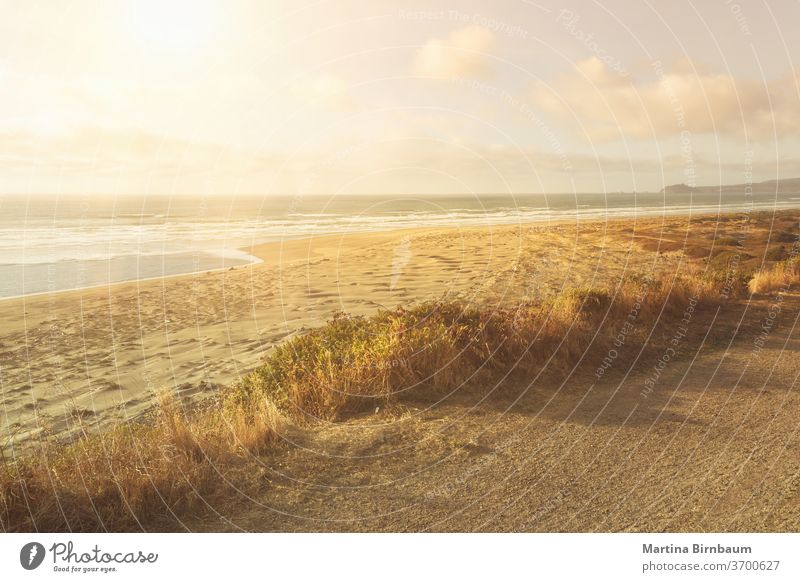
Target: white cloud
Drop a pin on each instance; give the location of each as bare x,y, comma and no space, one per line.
406,160
325,91
461,54
610,106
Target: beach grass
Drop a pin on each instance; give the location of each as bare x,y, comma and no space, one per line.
776,277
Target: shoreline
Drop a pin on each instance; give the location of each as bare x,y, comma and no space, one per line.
256,251
255,261
253,250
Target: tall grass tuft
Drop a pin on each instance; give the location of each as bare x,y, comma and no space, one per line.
780,276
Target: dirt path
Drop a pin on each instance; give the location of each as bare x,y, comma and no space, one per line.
714,447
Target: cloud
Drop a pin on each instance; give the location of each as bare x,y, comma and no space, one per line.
461,54
606,106
324,91
426,164
407,159
94,159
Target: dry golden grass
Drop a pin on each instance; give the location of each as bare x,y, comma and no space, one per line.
125,478
355,363
778,277
130,477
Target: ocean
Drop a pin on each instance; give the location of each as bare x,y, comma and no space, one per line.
56,243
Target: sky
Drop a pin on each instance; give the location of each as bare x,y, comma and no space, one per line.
413,97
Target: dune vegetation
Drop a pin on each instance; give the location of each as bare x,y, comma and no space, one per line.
178,458
776,277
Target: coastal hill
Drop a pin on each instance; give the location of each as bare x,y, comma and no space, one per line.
784,186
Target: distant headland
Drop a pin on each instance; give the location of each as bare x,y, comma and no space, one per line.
783,186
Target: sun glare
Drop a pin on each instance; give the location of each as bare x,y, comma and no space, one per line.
174,26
